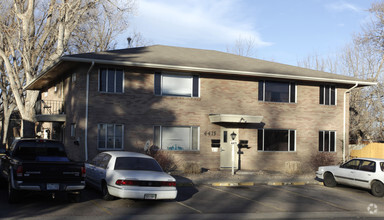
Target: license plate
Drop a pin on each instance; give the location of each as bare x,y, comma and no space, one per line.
52,186
150,196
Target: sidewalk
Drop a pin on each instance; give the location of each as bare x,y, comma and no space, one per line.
244,178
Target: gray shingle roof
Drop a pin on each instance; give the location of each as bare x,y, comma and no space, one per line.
188,59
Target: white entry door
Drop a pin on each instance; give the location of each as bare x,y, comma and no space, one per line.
226,148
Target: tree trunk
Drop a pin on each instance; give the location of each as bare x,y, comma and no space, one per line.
28,115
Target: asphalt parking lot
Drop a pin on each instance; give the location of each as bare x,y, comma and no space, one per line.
208,202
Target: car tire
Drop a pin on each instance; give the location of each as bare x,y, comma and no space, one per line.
329,180
13,194
377,189
105,192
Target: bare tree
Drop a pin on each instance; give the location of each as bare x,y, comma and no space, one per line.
136,39
8,104
35,34
364,59
244,46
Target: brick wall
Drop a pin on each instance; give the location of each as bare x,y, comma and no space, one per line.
138,109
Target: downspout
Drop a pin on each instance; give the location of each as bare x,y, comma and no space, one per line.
344,121
86,113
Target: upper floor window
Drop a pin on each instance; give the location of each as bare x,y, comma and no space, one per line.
270,91
327,95
177,85
111,80
276,140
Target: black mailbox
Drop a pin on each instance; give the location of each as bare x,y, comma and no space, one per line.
243,144
215,143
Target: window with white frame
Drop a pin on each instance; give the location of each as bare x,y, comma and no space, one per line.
110,136
271,91
177,85
179,138
276,140
111,80
327,141
328,95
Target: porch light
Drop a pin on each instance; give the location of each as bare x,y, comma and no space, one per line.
233,135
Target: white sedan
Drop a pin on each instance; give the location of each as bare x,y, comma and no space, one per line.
129,175
365,173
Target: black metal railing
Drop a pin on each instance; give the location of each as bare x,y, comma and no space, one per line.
49,107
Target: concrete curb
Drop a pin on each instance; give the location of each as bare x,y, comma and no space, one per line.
231,184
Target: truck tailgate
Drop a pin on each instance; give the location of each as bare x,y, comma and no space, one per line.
52,172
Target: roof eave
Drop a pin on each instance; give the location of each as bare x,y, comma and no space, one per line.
196,69
212,70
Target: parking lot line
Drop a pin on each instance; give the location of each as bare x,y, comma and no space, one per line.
237,195
102,208
310,197
187,206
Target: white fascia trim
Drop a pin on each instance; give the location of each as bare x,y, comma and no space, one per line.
211,70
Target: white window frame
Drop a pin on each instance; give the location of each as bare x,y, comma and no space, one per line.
106,81
329,144
330,94
160,138
178,75
106,137
289,140
289,91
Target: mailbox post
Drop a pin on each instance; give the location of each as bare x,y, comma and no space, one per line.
234,143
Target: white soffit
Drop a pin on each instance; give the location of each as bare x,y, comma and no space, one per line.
232,118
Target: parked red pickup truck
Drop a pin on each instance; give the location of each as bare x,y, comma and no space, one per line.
41,165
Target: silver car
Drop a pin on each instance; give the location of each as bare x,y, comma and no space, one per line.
129,175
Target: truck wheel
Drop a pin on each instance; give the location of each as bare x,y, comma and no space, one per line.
377,189
13,194
329,180
105,193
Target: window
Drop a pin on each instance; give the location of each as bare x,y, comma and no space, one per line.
352,164
276,140
277,91
111,80
327,141
177,85
73,130
367,165
180,138
327,95
110,136
137,163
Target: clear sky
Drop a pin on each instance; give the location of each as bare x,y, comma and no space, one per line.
285,30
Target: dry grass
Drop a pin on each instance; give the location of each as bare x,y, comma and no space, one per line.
192,168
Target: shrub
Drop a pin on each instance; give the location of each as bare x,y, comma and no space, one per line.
164,158
192,168
322,159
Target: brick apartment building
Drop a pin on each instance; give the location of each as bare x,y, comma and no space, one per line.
189,102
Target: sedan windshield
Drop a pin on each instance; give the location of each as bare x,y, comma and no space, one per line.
137,163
